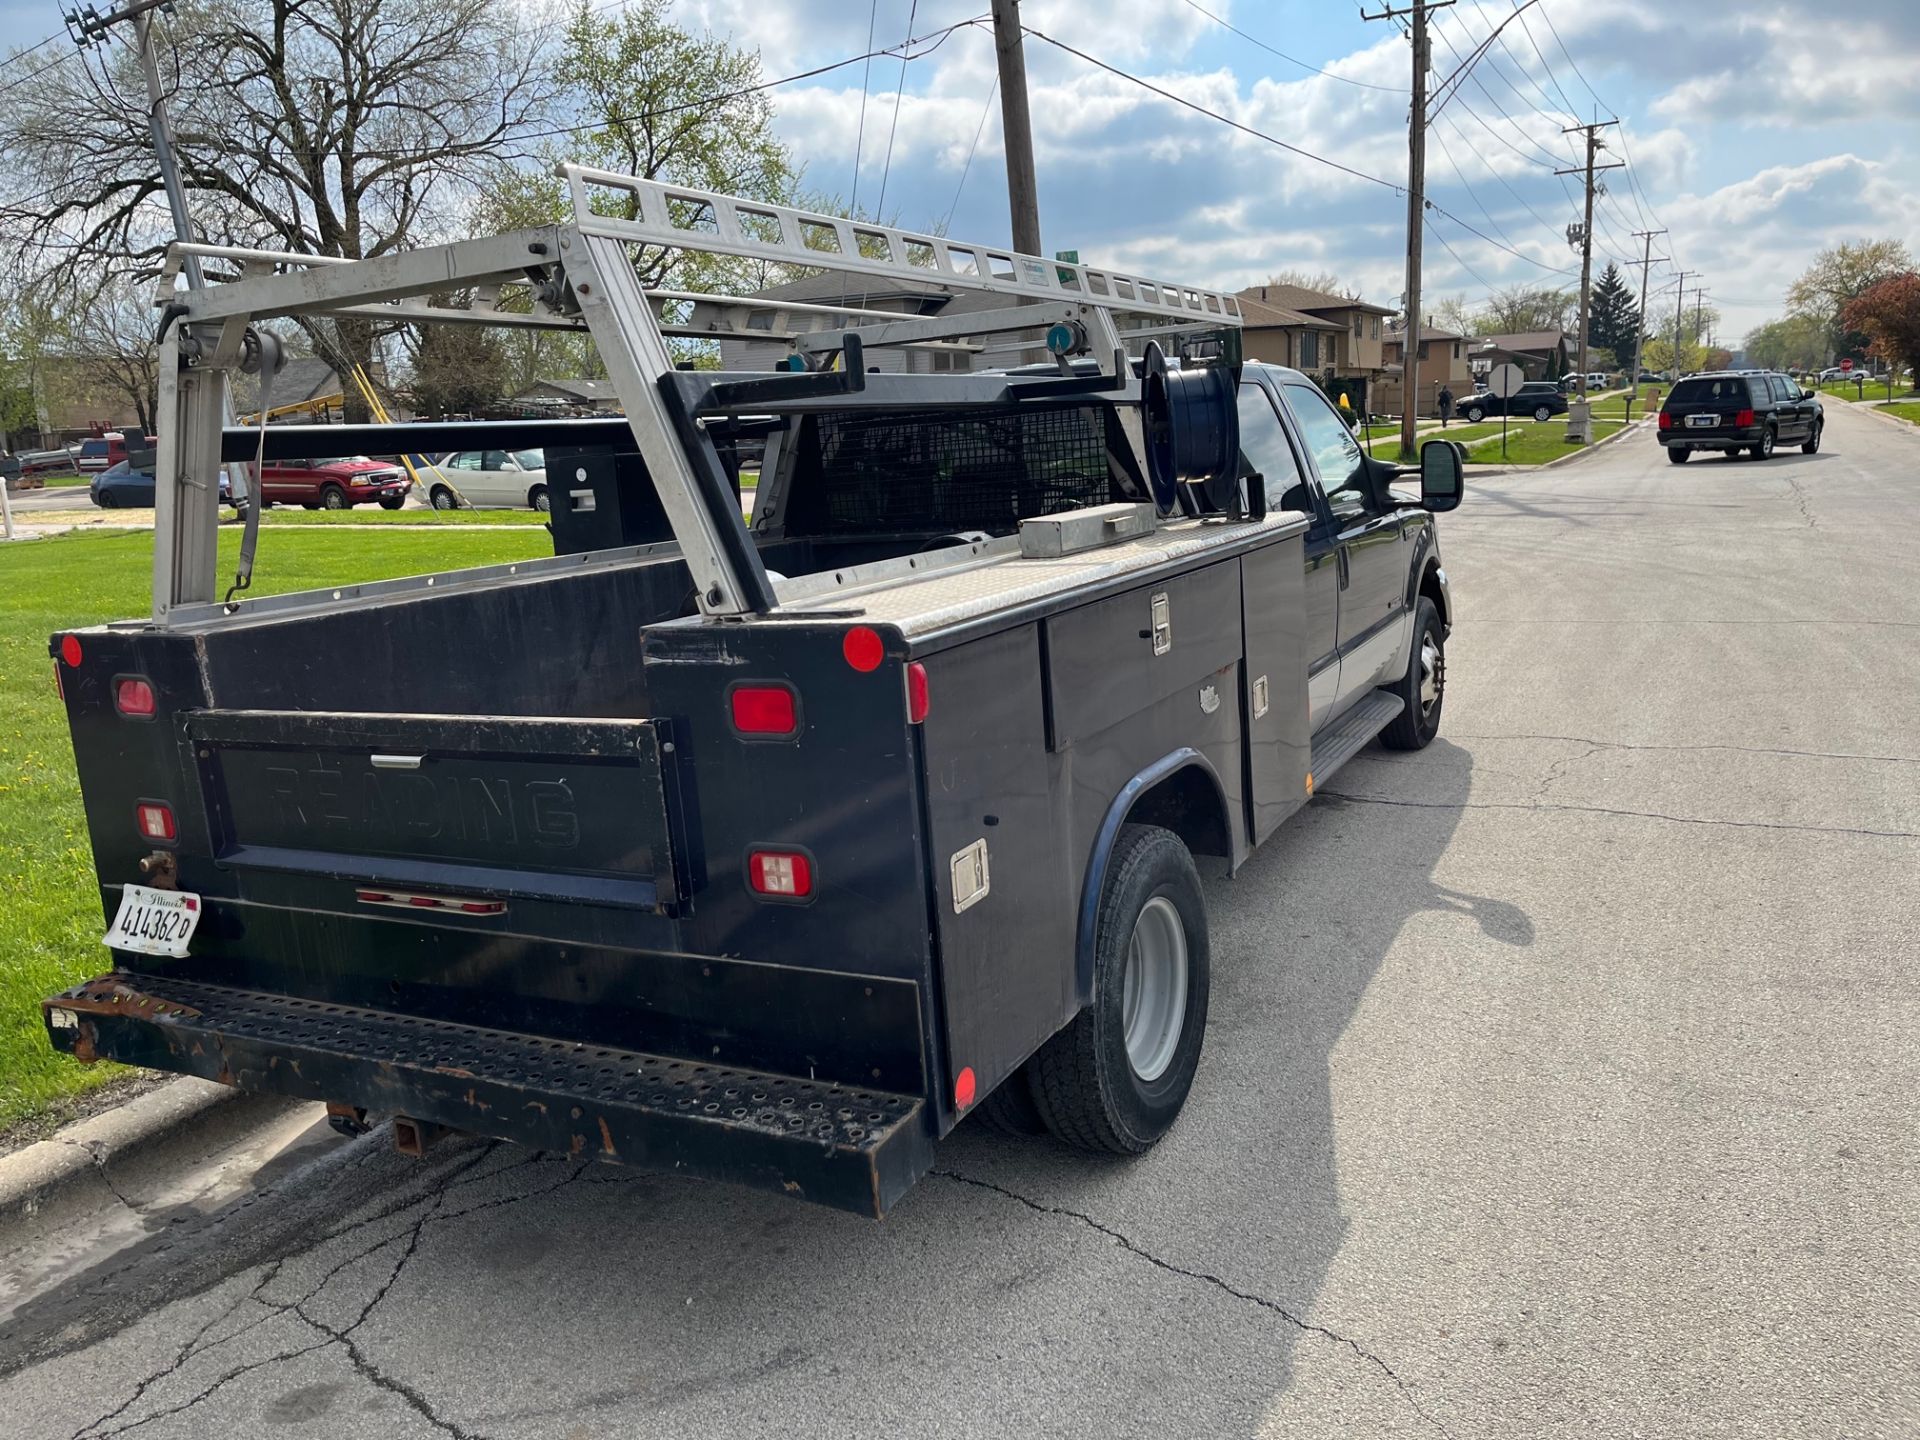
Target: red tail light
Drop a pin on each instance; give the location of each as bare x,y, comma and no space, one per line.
70,650
154,820
764,709
1666,421
1743,419
782,874
133,696
917,697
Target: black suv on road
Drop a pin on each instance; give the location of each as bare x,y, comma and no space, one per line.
1740,412
1542,399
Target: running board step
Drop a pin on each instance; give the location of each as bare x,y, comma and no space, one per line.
1351,734
852,1149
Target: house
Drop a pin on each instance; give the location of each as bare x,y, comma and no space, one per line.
1347,354
1541,354
568,395
1281,336
828,290
1443,360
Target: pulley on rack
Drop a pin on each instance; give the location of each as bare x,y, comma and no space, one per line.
1191,419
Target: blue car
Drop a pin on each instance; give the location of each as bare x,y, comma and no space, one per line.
122,487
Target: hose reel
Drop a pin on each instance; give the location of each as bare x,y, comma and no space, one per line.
1191,420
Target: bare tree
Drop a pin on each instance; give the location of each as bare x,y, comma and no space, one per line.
331,127
1324,281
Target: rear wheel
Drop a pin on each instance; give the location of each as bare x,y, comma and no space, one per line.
444,499
332,497
1768,439
105,500
1010,1108
537,498
1677,455
1543,413
1424,687
1116,1077
1811,445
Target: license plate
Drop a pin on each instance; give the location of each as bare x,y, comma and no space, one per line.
154,922
1703,422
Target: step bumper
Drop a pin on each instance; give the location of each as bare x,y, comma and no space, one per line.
856,1150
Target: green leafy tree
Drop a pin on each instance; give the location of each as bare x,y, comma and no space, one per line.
1839,275
1793,342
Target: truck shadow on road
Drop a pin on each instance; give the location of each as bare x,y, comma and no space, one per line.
1021,1285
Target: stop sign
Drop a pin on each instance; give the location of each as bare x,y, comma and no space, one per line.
1846,364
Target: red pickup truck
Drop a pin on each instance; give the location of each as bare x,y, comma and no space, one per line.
334,484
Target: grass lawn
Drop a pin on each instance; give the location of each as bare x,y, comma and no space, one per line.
50,925
374,515
1532,444
1908,411
1386,443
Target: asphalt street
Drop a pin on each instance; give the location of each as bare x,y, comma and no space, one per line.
1560,1082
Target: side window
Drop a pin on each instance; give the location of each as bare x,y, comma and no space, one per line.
466,460
1336,454
1264,447
494,460
1782,388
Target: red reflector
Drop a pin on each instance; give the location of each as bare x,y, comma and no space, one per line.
133,696
70,650
917,698
763,710
423,902
963,1089
1744,418
1666,421
780,872
863,649
155,821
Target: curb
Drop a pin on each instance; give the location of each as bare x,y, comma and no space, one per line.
51,1172
1872,407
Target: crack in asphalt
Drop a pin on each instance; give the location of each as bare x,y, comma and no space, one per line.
1207,1278
1800,498
96,1152
193,1349
1737,749
1627,814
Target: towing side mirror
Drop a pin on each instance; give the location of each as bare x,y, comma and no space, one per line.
1441,475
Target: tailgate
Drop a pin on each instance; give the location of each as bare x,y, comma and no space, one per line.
495,806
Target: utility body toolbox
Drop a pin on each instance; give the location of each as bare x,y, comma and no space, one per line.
761,853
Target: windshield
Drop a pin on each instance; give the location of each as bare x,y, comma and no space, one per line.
93,447
530,459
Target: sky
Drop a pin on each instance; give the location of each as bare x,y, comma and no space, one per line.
1755,133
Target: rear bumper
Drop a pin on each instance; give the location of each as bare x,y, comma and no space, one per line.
1728,439
856,1150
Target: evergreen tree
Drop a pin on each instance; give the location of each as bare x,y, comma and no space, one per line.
1614,318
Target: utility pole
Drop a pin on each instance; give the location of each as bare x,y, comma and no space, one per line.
1416,208
89,27
1679,319
1579,418
1023,192
1640,324
1699,330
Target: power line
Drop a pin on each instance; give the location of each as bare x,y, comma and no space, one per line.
37,71
860,134
1290,59
899,93
985,110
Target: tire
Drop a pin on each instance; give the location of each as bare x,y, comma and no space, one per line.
392,502
444,499
1423,689
1475,413
332,497
1677,455
106,500
1086,1081
1542,413
1010,1109
1768,439
1811,445
537,499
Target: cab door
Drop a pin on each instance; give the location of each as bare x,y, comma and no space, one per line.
1373,604
1265,448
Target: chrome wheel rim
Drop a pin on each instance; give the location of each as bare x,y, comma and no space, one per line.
1433,673
1153,996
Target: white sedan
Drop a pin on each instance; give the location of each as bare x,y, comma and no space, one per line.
487,480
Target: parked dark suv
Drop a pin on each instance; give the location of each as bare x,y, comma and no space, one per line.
1542,399
1741,412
